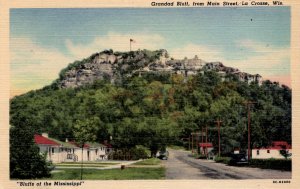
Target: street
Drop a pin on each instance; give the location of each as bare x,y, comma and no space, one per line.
181,166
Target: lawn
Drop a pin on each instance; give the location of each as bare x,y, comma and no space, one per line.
79,165
85,164
151,161
98,163
111,174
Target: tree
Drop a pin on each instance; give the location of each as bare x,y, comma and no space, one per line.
25,160
85,131
157,133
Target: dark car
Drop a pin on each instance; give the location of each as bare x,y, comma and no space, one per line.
238,159
163,155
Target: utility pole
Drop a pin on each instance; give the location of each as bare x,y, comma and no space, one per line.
248,103
218,124
192,143
206,140
189,142
197,141
202,134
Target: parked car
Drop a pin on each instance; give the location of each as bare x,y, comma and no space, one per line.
237,159
163,155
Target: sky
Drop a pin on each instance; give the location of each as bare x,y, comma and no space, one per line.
252,39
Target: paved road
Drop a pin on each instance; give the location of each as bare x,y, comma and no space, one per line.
181,166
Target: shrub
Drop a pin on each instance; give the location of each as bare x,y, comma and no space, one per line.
279,164
224,160
138,152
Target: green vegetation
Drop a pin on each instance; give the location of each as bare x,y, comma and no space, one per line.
79,165
224,160
156,110
25,159
151,161
85,164
174,147
88,163
279,164
134,153
199,156
111,174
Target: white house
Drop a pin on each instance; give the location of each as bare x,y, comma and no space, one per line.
58,151
272,151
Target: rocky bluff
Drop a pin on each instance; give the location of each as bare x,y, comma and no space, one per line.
115,65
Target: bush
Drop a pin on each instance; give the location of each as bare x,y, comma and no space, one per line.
279,164
138,152
224,160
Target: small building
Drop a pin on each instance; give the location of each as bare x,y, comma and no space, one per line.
205,148
48,147
58,151
273,151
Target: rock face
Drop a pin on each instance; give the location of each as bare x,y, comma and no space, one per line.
101,66
109,65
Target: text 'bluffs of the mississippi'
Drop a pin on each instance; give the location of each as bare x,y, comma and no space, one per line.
212,3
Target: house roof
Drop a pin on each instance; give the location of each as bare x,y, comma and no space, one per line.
94,144
87,145
207,145
64,144
77,145
39,139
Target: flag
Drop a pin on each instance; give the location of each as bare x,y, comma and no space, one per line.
133,41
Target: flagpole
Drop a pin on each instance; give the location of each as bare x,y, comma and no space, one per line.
130,44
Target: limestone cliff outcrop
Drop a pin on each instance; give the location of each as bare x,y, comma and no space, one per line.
113,66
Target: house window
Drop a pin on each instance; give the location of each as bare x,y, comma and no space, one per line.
257,152
268,151
52,150
70,156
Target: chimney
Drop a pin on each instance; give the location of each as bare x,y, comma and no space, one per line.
45,135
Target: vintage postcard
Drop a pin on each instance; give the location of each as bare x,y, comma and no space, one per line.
158,94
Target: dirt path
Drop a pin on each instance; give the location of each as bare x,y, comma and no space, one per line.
181,166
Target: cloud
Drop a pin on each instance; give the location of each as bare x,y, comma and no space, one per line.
117,42
267,60
33,66
190,50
